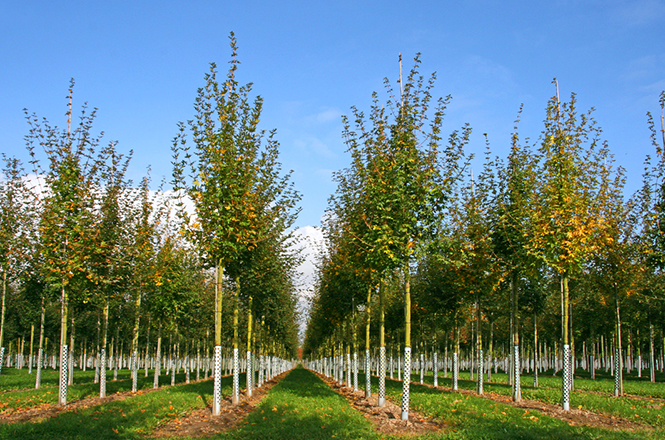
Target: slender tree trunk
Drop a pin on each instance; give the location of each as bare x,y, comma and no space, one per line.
135,342
217,356
618,373
2,319
368,373
536,356
565,306
32,341
40,351
103,361
456,359
652,353
235,398
479,346
62,390
382,346
158,356
116,354
517,369
70,377
147,347
490,352
406,381
355,346
250,368
97,354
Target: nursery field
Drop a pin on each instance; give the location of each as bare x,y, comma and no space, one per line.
302,404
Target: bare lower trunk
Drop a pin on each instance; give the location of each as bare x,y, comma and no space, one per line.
40,351
62,390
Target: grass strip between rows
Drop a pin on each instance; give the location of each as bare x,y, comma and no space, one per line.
475,417
131,418
302,406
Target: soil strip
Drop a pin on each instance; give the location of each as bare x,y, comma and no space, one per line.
574,417
201,423
46,410
388,419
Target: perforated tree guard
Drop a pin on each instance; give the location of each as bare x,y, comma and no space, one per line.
62,392
406,383
217,386
517,373
355,371
368,375
455,371
102,373
566,378
236,376
382,376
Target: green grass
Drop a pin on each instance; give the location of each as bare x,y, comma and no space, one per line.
131,418
302,406
585,396
18,387
474,417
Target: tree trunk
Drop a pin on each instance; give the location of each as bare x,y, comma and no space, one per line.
2,318
382,346
235,398
406,381
535,350
32,342
250,368
40,351
62,390
135,342
217,356
565,307
147,347
618,373
490,352
479,347
70,372
652,353
103,360
456,359
158,356
517,370
368,373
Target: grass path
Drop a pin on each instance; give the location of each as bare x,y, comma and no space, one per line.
302,406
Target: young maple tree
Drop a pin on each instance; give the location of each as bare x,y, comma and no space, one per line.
235,182
569,208
399,181
67,206
15,231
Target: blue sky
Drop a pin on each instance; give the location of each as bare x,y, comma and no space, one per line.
140,64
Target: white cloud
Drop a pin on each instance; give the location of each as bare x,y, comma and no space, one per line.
328,115
314,145
312,245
